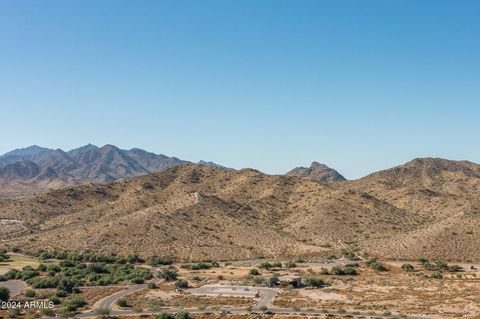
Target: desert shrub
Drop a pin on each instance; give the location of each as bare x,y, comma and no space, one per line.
168,274
157,261
182,315
165,315
46,312
4,293
3,255
441,265
151,285
71,304
408,267
343,271
455,268
254,272
181,283
314,282
267,265
350,271
200,265
104,312
290,264
122,302
30,293
13,313
376,265
11,274
324,271
348,253
55,299
436,275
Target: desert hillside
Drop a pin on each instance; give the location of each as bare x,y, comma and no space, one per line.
318,172
425,208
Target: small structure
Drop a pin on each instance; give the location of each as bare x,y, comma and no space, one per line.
288,280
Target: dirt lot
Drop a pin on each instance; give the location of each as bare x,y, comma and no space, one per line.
454,296
17,262
152,298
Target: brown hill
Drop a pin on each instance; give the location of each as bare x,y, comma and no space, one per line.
318,172
425,208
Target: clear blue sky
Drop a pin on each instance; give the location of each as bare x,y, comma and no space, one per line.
358,85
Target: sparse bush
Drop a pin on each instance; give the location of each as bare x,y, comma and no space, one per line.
265,265
290,264
324,271
122,303
13,313
343,271
30,293
436,275
151,285
103,312
254,272
181,283
46,312
168,274
349,254
165,315
408,267
157,261
182,315
200,265
3,255
376,265
314,282
4,293
455,268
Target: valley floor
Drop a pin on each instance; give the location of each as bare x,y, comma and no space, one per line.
232,289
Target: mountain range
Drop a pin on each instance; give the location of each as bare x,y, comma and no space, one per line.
35,169
426,208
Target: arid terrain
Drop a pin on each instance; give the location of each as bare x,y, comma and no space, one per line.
200,240
427,208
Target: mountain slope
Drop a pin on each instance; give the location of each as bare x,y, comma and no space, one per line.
445,194
317,171
427,208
